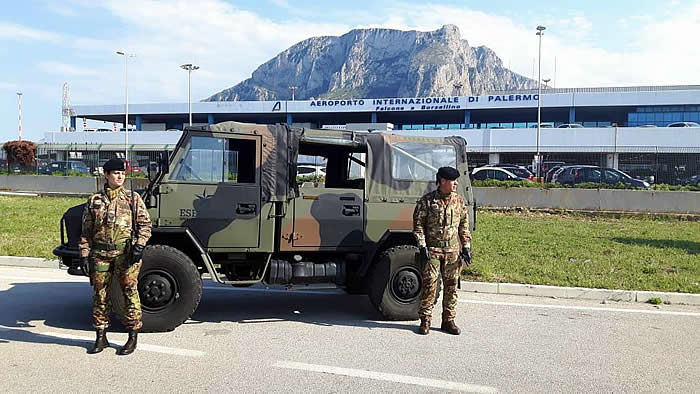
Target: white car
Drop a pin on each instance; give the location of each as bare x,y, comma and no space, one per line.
310,170
495,173
683,124
570,126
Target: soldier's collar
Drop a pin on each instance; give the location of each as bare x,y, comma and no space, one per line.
443,195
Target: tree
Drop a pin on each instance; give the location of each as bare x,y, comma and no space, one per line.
20,152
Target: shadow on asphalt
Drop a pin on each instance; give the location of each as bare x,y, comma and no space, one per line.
65,305
691,247
68,306
267,307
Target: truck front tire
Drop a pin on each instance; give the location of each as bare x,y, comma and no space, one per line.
170,288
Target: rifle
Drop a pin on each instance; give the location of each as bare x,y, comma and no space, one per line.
130,241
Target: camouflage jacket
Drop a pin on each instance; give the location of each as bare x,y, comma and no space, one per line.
108,222
441,222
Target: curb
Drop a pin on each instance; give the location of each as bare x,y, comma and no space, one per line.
578,293
31,262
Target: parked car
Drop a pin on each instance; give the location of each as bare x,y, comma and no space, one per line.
574,174
691,181
516,169
683,124
495,173
570,126
543,126
64,166
310,170
550,173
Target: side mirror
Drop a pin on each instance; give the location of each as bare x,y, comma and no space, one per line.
164,164
152,170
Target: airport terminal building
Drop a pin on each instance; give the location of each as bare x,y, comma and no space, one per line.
623,127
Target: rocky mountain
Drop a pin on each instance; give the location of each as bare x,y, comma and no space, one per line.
375,63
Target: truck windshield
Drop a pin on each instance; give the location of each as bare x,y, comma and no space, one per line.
419,161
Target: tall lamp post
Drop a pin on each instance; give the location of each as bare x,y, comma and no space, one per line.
189,67
19,114
540,33
126,101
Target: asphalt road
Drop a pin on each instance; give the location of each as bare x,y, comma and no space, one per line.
281,341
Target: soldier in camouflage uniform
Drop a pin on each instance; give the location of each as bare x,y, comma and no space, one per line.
441,228
106,234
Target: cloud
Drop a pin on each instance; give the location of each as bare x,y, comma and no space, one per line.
68,70
11,31
8,86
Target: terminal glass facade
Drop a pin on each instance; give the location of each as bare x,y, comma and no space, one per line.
662,115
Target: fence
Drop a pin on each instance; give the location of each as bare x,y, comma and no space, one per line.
666,165
81,160
674,166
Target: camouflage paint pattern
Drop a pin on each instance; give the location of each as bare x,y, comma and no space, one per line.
448,265
108,221
128,281
441,223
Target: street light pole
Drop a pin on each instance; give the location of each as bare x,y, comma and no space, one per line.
540,33
546,81
19,114
126,101
189,67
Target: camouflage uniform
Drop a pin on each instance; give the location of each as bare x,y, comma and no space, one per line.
441,222
106,227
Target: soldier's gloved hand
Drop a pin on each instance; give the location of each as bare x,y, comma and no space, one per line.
85,265
424,254
136,253
467,255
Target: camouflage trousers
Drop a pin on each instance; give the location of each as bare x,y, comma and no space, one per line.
448,265
104,269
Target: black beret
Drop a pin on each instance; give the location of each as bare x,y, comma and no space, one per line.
449,173
114,165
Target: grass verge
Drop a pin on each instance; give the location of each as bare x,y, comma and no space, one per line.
634,253
29,225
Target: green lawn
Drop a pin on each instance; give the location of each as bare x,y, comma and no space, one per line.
575,250
536,248
29,225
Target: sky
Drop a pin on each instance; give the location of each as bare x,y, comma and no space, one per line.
44,44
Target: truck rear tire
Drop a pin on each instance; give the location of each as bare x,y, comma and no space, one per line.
396,281
170,288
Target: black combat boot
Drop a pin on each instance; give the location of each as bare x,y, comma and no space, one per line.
101,341
450,327
130,344
424,328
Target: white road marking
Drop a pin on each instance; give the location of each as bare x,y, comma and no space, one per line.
585,308
388,377
141,346
69,278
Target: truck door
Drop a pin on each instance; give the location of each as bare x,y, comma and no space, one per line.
328,217
214,190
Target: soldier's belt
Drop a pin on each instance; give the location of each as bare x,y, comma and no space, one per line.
101,246
442,244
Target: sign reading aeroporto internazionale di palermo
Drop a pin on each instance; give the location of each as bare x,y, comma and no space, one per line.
411,104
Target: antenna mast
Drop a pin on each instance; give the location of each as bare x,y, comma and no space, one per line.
66,110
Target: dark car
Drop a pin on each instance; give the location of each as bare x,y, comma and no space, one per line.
691,181
64,166
571,175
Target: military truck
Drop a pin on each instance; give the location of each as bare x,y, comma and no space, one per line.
227,204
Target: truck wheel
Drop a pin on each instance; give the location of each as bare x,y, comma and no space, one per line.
396,281
170,288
